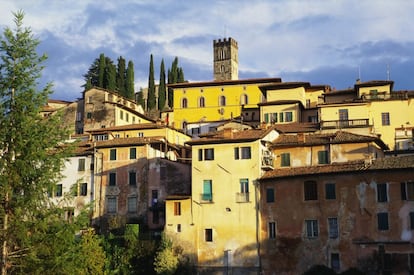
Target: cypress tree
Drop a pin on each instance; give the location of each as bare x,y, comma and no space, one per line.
121,77
129,82
151,100
110,77
101,70
161,88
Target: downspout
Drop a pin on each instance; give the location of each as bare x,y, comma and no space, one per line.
256,199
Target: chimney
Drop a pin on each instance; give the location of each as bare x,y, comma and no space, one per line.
228,133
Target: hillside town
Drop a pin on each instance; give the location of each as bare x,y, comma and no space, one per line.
251,176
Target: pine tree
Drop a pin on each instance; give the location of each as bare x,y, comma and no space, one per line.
129,82
161,88
151,100
101,70
121,77
32,152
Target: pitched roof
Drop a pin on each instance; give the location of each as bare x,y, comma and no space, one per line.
231,135
339,137
395,162
138,126
296,127
225,82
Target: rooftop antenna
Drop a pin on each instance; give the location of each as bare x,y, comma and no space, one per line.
359,74
388,72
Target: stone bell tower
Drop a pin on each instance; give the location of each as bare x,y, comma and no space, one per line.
226,59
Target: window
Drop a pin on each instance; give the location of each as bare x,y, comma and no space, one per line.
177,208
266,118
184,103
140,134
333,228
243,196
323,157
281,117
288,116
244,99
272,230
59,190
382,221
335,263
84,189
127,117
412,220
201,102
270,195
88,115
343,114
407,190
382,195
311,228
208,235
330,192
195,131
274,118
285,159
244,152
311,190
132,204
81,164
132,153
132,175
222,100
154,197
112,154
385,118
112,179
121,114
207,194
178,228
111,205
208,154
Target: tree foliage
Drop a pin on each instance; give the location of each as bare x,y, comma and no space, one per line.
175,75
161,88
129,82
166,262
34,237
103,73
151,99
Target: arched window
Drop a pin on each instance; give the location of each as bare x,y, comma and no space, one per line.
201,102
184,103
185,126
222,100
244,99
222,69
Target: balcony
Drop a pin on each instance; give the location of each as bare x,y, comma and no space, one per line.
242,197
267,160
342,124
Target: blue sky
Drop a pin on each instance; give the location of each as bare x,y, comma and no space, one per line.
330,42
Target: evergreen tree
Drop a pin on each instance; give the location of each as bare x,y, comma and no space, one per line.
110,77
175,75
151,100
140,98
121,77
129,82
32,155
101,71
161,88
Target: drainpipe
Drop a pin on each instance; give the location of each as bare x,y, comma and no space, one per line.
256,201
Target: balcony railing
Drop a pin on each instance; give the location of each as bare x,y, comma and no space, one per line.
242,197
341,124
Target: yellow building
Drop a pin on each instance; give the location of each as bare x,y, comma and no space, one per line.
215,100
221,219
370,108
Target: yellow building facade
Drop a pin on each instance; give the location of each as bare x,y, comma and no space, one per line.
222,212
215,100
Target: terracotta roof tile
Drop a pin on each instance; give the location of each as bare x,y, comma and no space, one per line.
231,135
396,162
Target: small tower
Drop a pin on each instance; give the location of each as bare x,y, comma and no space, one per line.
226,60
